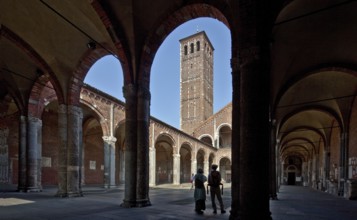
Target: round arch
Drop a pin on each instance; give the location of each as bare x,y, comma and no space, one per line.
206,138
225,135
185,162
164,147
225,165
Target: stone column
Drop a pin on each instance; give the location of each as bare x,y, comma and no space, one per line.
143,120
39,156
327,167
121,166
130,145
343,166
109,161
194,165
74,128
305,172
62,151
22,154
278,171
152,166
206,167
272,162
106,162
254,60
176,169
32,154
235,186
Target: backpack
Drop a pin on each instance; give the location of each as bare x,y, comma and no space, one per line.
215,179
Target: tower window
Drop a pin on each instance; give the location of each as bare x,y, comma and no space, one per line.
198,45
191,47
185,49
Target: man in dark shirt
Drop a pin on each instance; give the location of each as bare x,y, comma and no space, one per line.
214,181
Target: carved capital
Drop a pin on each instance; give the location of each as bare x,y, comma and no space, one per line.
144,93
75,110
130,91
109,139
62,109
34,120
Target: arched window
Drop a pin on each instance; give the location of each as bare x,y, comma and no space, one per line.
192,46
198,45
185,49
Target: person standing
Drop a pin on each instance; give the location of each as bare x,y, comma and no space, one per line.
214,181
200,192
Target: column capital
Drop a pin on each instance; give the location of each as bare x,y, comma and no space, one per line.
62,109
109,139
75,110
129,91
144,92
176,155
31,119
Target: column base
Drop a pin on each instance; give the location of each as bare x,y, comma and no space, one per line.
32,189
143,203
21,189
110,186
128,204
69,195
352,189
273,197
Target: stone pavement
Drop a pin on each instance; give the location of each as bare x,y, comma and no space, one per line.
168,202
304,203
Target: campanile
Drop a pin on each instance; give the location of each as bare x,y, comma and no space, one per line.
196,81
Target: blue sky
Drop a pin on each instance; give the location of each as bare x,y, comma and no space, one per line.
106,74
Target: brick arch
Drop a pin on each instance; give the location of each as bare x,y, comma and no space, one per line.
188,144
99,117
118,38
208,136
15,95
120,123
168,135
42,93
44,69
168,23
84,64
224,125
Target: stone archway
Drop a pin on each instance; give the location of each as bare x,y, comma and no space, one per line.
225,136
185,163
225,169
164,159
200,159
93,152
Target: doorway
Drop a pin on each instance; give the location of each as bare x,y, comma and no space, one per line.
291,178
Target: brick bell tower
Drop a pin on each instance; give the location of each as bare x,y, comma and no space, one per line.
196,81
